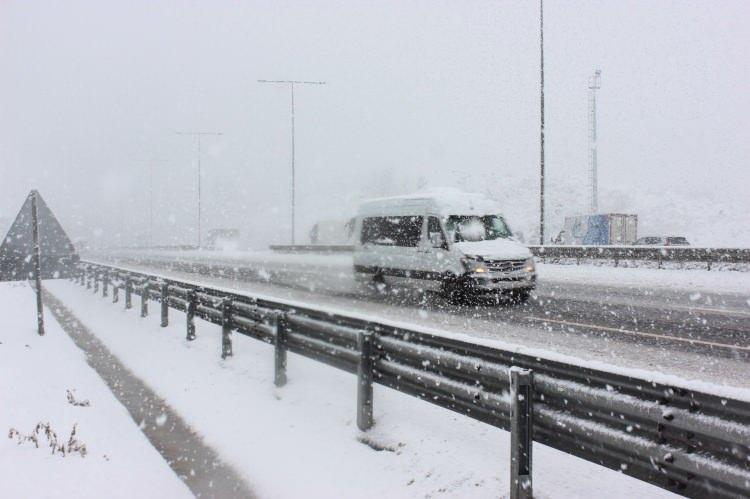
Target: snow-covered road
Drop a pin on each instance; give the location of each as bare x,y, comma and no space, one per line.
681,327
335,270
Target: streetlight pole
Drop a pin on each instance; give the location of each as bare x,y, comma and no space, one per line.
150,163
199,135
541,136
291,84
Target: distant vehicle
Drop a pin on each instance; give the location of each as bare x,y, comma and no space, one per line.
676,241
444,240
662,241
223,239
332,232
599,230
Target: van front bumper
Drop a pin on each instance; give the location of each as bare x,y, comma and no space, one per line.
501,282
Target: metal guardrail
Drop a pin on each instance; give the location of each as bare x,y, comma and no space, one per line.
659,254
312,248
692,443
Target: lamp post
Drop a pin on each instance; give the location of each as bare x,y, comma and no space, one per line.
150,163
199,135
291,84
541,135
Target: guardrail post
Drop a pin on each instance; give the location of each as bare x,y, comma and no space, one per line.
144,299
192,303
364,381
226,328
105,284
164,304
128,293
115,293
280,342
88,281
96,282
82,277
521,432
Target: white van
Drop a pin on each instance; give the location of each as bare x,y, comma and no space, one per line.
445,240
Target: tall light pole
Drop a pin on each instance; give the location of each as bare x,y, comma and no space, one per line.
595,83
291,84
541,136
150,163
199,135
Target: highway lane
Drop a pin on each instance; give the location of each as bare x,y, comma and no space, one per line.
711,331
723,332
718,323
664,329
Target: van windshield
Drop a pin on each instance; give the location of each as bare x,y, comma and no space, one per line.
477,228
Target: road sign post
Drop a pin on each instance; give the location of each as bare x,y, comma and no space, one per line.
37,265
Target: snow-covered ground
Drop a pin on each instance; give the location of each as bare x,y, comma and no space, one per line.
36,373
302,440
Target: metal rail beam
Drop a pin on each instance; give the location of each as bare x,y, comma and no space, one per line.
693,443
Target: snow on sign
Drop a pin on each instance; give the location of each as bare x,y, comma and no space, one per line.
58,255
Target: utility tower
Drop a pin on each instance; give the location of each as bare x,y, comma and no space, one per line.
595,83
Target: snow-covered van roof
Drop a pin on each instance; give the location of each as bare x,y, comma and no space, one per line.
443,201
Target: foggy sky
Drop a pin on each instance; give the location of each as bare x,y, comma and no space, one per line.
442,93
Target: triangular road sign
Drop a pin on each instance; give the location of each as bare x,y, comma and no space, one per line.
17,248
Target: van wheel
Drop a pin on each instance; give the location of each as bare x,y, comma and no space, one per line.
458,297
520,296
456,293
378,282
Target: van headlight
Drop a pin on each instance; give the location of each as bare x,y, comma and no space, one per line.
474,266
530,266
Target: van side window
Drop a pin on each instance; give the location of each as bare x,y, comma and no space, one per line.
435,234
392,231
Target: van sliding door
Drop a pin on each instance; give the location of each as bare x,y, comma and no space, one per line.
394,241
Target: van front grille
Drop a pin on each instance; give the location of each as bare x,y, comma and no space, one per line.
505,265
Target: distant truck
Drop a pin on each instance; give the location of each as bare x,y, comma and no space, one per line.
332,232
222,240
599,230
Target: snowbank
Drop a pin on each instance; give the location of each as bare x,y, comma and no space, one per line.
35,374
